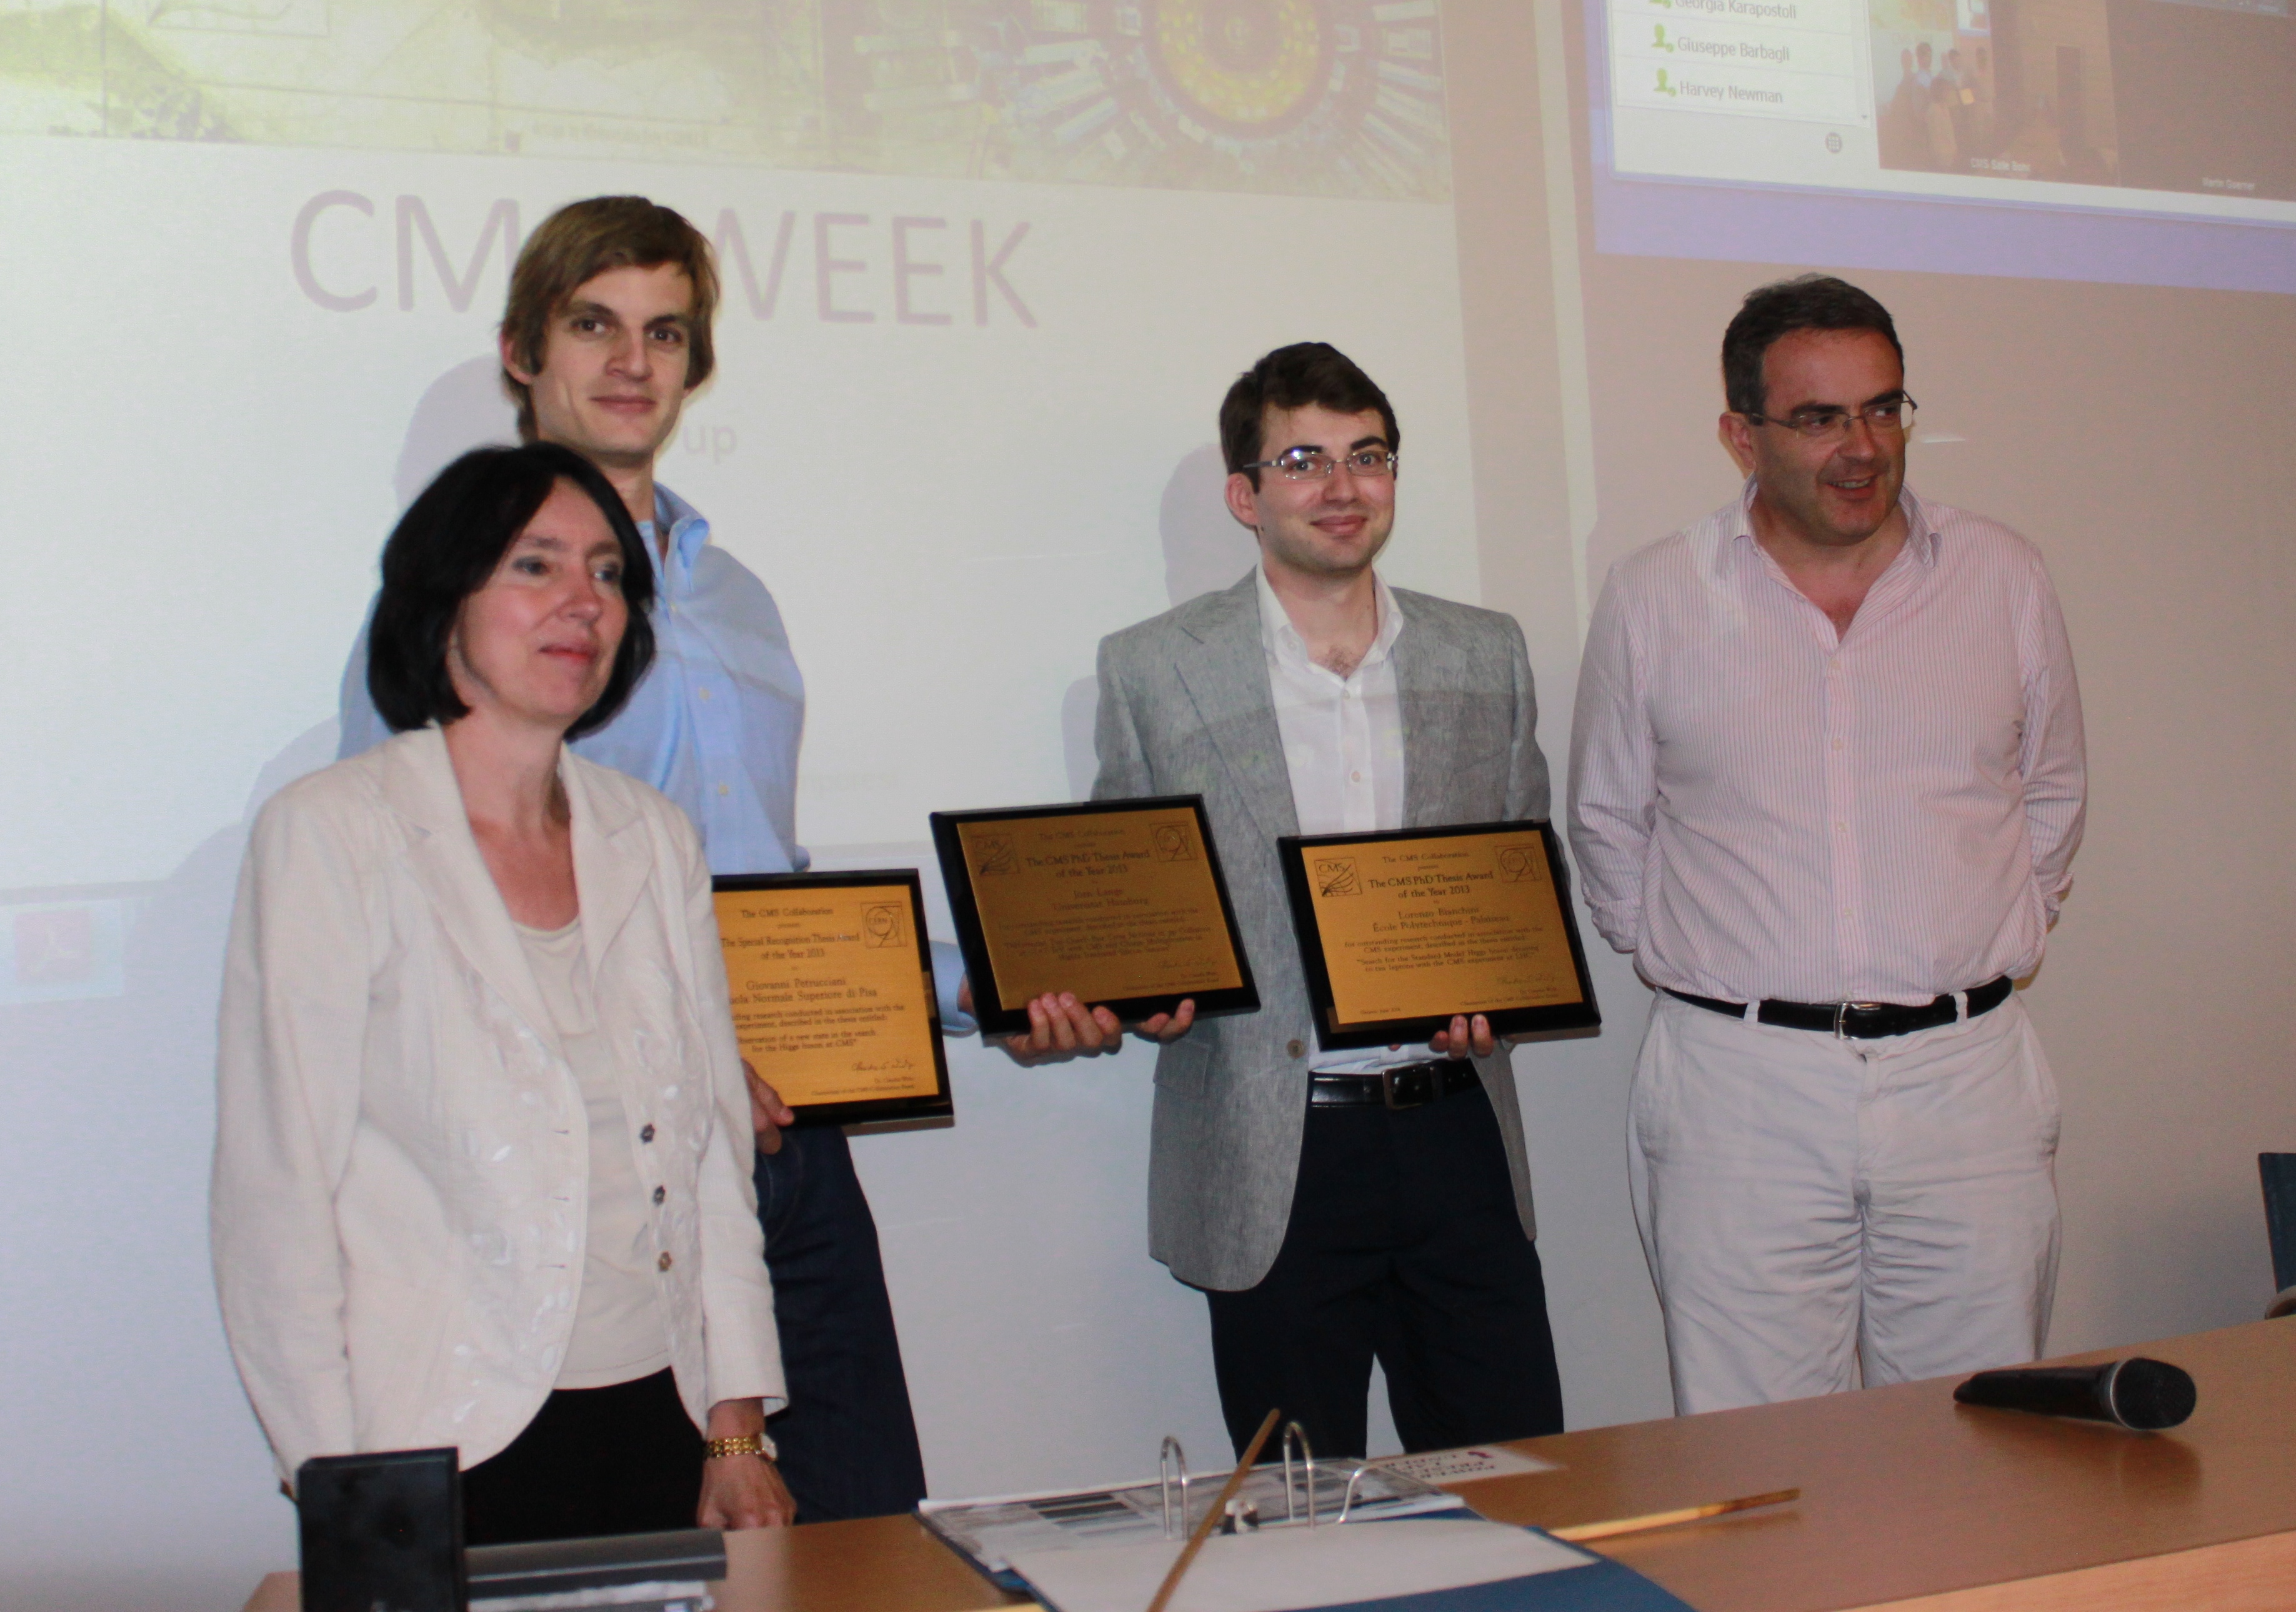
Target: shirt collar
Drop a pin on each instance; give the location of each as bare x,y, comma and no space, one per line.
688,532
1281,640
1921,535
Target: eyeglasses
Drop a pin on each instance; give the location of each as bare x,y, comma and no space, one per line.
1314,464
1832,425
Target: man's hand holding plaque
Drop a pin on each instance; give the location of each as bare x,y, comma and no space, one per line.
1076,921
769,1115
1457,937
1061,1028
1469,1036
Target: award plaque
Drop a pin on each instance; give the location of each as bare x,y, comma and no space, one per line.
1400,933
1120,902
830,976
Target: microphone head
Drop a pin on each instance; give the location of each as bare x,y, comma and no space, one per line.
2151,1395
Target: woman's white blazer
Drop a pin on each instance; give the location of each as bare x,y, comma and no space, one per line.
402,1153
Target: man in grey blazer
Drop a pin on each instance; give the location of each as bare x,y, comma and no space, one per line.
1335,1207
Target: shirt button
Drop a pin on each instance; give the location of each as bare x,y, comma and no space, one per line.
1838,744
646,1135
664,1262
1355,777
704,695
727,789
1295,1048
659,1193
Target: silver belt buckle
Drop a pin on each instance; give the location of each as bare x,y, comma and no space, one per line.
1842,1012
1386,1085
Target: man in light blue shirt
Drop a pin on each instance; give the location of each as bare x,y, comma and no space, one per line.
608,329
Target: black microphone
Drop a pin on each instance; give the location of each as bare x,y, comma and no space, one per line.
2145,1395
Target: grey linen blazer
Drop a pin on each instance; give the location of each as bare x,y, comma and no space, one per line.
1186,708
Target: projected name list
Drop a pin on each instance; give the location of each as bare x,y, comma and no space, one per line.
1794,59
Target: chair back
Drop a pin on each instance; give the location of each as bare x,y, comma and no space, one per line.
2279,1172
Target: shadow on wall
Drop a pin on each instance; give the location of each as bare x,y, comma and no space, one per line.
1204,550
174,952
465,408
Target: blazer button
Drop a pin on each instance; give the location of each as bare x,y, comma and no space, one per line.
1295,1048
663,1264
659,1193
647,1134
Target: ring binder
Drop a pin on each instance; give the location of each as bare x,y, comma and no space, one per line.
1168,1459
1294,1433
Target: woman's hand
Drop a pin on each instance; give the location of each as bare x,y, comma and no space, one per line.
741,1491
744,1492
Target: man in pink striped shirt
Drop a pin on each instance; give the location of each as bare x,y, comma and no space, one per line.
1827,782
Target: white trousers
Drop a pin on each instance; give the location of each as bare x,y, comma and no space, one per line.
1804,1200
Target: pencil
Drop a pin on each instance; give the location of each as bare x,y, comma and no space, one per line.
1580,1532
1211,1518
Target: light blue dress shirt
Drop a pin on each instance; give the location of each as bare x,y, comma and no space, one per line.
714,724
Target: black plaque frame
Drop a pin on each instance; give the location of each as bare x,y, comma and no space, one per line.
1331,1036
942,1102
989,1009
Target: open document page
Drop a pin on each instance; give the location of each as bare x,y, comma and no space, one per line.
990,1532
1426,1564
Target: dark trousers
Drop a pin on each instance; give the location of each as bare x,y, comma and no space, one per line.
623,1459
848,1442
1404,1247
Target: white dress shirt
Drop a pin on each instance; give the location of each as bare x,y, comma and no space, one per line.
1762,807
1343,747
1343,736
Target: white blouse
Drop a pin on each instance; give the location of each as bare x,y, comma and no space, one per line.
618,1335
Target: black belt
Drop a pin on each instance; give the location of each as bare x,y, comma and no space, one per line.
1409,1085
1861,1021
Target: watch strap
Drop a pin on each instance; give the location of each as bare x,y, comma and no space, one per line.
747,1443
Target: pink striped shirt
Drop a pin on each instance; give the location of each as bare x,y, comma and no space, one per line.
1761,808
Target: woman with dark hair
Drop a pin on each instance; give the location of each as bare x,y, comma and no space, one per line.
483,1146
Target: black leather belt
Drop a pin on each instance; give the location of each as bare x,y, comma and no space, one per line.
1859,1020
1409,1085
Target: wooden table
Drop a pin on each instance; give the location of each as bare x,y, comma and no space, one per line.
1909,1502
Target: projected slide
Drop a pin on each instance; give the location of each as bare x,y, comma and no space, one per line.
989,266
2179,108
2164,111
1314,96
